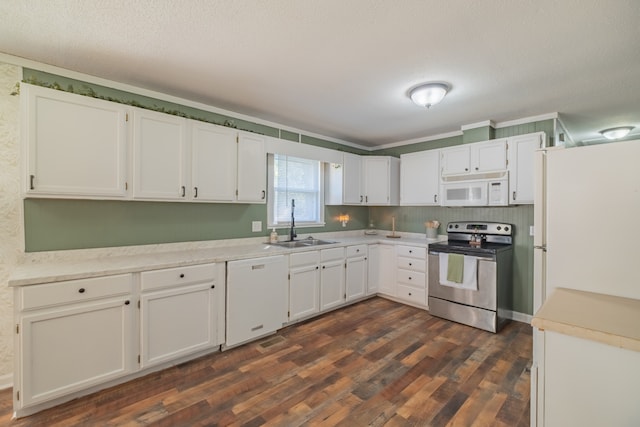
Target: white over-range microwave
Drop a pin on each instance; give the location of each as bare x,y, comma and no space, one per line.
477,190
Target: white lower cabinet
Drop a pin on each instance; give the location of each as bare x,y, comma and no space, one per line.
256,297
386,270
412,274
181,312
304,284
72,335
356,272
332,278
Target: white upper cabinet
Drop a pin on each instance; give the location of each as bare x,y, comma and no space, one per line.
479,157
420,178
252,168
352,180
381,180
214,160
521,173
75,146
159,156
365,180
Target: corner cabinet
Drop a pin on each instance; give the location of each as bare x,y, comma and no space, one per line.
521,166
420,178
72,335
74,146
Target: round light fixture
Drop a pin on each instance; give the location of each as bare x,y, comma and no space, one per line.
428,94
616,133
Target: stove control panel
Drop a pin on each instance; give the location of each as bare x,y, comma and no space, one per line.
480,227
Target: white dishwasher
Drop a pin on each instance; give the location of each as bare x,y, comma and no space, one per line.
256,297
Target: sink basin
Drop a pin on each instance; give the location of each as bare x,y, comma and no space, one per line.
303,243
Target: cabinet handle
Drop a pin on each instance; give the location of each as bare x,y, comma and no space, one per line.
365,258
409,277
466,169
514,195
81,290
410,251
264,194
360,199
317,267
357,250
410,264
184,191
195,192
409,293
477,168
31,178
182,276
435,198
127,302
213,286
366,199
323,267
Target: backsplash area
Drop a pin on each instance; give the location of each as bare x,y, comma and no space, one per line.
412,219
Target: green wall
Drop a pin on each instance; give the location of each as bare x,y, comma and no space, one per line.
54,224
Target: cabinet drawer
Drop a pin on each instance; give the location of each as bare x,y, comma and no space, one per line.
331,254
417,296
411,252
304,258
413,264
178,276
72,291
414,278
356,250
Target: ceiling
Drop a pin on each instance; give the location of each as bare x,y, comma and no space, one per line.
342,69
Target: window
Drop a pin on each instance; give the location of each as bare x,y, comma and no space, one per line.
297,179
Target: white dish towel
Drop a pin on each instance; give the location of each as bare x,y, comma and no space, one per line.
469,276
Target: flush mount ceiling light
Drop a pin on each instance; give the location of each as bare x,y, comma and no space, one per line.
428,94
616,133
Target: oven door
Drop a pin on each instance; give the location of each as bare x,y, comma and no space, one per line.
484,297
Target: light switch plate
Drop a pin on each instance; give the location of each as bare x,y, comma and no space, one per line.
256,226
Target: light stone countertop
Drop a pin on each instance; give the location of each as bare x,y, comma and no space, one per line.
79,264
602,318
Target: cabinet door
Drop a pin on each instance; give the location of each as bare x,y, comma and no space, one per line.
420,178
73,348
160,156
373,270
177,322
332,281
252,169
455,160
521,172
304,290
387,270
352,180
214,162
489,156
75,145
376,180
356,278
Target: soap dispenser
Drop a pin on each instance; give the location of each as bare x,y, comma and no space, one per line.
273,237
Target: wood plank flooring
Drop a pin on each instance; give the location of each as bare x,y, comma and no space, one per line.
374,363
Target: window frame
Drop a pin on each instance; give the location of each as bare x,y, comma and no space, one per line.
271,195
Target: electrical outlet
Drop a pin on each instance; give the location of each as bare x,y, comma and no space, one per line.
256,226
531,230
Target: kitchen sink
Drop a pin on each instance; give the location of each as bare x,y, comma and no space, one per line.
303,243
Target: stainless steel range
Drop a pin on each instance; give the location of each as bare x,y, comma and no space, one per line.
470,275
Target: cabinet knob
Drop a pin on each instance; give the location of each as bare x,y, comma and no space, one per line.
409,293
410,264
127,302
477,168
182,276
357,250
410,251
317,267
81,290
324,266
213,286
409,278
466,169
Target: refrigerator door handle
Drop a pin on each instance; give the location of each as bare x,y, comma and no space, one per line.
543,247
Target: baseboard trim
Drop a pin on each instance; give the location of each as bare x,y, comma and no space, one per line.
6,381
518,317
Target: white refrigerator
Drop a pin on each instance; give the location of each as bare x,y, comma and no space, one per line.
587,204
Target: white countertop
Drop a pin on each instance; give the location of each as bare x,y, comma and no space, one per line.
36,272
603,318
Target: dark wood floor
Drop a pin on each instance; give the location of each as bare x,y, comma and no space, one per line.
374,363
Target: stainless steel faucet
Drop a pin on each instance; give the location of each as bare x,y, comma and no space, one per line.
292,231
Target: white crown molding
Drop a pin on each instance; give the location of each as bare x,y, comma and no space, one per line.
22,62
483,124
418,140
526,120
